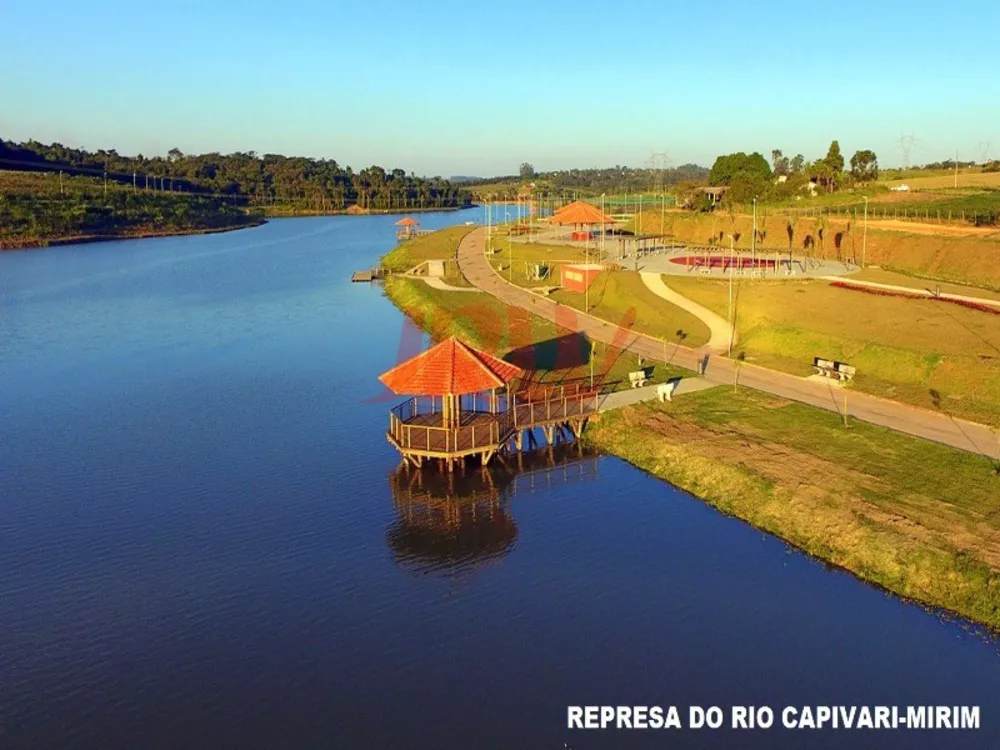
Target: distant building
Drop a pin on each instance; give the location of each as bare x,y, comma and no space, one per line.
904,188
715,193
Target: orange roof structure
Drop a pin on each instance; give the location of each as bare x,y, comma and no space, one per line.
450,368
406,221
579,212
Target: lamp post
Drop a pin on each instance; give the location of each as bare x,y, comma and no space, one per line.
753,240
602,225
864,241
731,250
510,249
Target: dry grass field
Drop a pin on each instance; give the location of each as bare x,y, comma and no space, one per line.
947,180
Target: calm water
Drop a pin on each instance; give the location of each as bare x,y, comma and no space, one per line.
202,543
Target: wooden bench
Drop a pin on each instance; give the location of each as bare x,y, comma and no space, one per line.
833,369
638,378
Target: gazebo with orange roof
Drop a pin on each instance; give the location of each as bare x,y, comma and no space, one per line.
409,227
580,214
445,374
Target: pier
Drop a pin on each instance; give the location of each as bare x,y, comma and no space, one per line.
463,405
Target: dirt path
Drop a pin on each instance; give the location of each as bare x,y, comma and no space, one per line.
722,336
936,426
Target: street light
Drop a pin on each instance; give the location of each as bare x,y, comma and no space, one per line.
731,250
510,248
753,240
864,241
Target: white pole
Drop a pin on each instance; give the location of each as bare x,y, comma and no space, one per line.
602,224
730,295
753,240
864,242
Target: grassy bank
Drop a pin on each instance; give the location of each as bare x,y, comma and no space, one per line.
557,356
926,353
912,516
969,259
439,245
35,211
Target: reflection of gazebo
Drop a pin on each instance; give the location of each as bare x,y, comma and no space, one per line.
408,228
448,521
455,409
580,215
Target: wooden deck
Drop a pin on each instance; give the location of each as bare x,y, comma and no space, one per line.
416,429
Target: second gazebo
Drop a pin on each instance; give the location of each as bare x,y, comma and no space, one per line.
582,216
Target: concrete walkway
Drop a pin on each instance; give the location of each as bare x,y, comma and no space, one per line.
438,283
619,399
721,332
923,423
916,292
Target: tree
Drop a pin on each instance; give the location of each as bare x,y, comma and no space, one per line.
797,163
779,163
864,166
527,171
731,167
834,158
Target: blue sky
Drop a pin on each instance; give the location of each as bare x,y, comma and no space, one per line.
449,88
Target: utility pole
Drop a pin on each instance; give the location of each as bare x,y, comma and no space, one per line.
133,181
731,250
105,184
864,241
753,240
60,183
956,167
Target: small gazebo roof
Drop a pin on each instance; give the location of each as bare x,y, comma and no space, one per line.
406,221
450,368
579,212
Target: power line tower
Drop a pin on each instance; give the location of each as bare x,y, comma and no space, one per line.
657,163
984,151
905,145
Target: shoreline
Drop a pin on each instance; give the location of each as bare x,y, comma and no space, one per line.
86,239
847,505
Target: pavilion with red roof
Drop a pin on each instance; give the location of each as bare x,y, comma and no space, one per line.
461,405
582,216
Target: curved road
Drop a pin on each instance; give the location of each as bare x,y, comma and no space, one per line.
922,423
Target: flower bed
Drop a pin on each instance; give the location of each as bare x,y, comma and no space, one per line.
908,295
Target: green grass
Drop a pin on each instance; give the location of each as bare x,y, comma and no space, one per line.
557,356
926,353
439,245
617,295
913,516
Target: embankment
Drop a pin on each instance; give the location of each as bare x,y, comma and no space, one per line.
973,260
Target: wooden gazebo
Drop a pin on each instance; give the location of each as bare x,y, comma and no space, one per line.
455,408
580,214
408,228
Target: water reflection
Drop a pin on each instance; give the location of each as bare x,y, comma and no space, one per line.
455,521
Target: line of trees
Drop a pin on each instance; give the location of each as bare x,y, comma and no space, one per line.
265,180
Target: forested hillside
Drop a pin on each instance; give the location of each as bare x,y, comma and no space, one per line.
268,180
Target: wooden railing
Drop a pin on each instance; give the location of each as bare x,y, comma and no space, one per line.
482,433
486,430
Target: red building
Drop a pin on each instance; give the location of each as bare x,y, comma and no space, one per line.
576,277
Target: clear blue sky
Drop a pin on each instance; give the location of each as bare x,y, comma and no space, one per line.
448,88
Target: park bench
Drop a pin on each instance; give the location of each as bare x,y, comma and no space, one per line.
637,379
832,369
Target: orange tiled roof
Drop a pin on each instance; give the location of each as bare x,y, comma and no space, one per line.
406,221
579,212
449,368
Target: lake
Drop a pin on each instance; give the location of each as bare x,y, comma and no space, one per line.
204,542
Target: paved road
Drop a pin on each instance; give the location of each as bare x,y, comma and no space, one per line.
922,423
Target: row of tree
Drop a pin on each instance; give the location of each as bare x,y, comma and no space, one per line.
610,180
265,180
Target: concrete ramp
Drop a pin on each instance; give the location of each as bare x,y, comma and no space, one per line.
720,329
